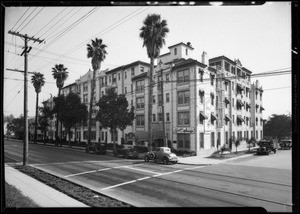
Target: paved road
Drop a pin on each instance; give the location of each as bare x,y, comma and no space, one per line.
143,184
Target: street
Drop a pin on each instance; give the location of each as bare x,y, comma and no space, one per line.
260,181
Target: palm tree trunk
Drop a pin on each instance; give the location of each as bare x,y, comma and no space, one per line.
36,115
150,104
91,106
69,133
112,130
56,128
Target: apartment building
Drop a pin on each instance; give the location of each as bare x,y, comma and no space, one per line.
205,102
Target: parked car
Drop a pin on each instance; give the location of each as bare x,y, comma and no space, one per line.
127,153
285,144
95,147
162,154
265,147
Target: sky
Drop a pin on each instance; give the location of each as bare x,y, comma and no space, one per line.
259,36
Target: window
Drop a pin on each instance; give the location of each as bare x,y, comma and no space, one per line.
183,97
153,117
232,102
85,87
125,74
105,81
183,76
201,96
142,69
160,117
167,97
186,51
183,141
140,103
256,133
256,121
175,51
159,99
212,139
232,118
119,75
125,90
183,118
109,78
140,120
227,66
260,96
261,134
93,122
159,83
132,71
238,72
114,76
201,74
212,79
226,137
202,140
212,97
153,99
140,85
167,77
85,98
232,70
168,117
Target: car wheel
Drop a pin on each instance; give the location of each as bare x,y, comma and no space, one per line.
135,155
147,158
126,155
165,160
152,155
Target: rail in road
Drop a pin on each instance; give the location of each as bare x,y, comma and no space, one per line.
157,185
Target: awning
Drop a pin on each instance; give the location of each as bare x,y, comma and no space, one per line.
213,116
240,102
227,118
157,135
239,86
141,135
202,116
248,105
262,108
227,101
240,118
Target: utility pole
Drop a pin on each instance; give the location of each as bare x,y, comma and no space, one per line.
25,52
162,103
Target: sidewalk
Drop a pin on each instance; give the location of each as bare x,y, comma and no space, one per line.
39,192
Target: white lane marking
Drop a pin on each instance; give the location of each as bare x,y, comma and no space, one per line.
148,177
97,170
117,167
143,170
121,184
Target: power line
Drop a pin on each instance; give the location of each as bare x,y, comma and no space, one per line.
26,19
32,18
20,18
80,45
15,96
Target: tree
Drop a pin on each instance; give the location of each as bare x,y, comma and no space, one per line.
237,143
17,126
73,112
153,33
114,113
44,118
96,51
38,81
60,74
278,126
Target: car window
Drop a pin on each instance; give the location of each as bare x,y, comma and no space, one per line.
167,150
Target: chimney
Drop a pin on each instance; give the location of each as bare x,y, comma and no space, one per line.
204,58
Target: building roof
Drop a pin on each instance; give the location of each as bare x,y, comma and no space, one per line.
188,62
142,75
231,61
181,43
123,67
67,86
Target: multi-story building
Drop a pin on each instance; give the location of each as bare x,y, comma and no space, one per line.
204,103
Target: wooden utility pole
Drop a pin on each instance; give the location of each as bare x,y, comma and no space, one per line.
25,52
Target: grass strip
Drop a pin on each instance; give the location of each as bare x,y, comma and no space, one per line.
73,190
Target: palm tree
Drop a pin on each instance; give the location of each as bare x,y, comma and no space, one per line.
60,74
97,52
153,33
38,81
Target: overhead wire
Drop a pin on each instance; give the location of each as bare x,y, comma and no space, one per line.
32,18
20,18
26,19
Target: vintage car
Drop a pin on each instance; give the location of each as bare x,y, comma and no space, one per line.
265,147
162,154
127,150
95,147
285,144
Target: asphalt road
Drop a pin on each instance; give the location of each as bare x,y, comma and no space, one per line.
251,181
